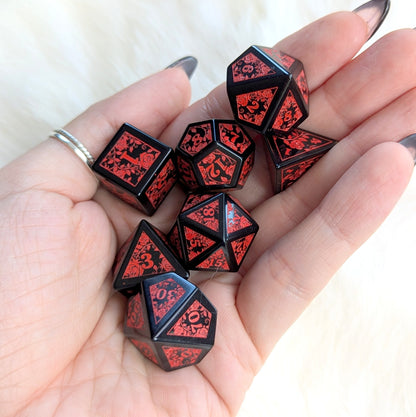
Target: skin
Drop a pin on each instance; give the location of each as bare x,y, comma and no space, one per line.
62,350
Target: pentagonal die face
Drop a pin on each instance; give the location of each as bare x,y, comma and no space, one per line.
292,154
267,90
214,155
137,168
171,322
146,253
213,232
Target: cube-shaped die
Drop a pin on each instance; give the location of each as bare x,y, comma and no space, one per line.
212,232
268,90
214,155
171,322
292,154
137,168
145,253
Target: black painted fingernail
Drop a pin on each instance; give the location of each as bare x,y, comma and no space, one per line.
187,63
373,12
409,142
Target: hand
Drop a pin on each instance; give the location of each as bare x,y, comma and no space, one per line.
62,349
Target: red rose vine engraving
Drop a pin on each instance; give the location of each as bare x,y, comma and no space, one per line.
253,106
246,169
290,174
164,296
197,138
217,168
193,200
130,158
288,115
216,260
240,247
135,318
303,86
145,349
232,136
162,184
236,219
195,322
250,67
181,356
196,243
207,215
187,173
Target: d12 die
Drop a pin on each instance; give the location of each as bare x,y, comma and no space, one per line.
171,322
145,253
214,155
137,168
291,155
267,90
212,232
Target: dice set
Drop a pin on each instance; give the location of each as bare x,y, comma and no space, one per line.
168,319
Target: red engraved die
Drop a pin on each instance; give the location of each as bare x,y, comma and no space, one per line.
212,232
292,154
137,168
171,322
267,90
145,253
214,155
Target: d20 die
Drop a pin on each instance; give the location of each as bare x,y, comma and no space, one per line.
291,155
268,90
137,168
212,232
144,254
214,155
171,322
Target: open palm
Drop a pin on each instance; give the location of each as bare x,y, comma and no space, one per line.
62,350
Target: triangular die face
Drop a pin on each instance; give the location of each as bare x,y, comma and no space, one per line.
179,357
196,138
196,243
281,58
207,215
241,246
186,172
236,218
175,241
194,199
195,323
145,349
217,261
289,114
164,295
253,106
135,320
250,67
147,259
298,143
293,172
303,85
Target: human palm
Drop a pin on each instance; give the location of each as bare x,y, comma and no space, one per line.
62,348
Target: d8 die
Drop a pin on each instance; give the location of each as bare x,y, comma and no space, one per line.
267,90
171,322
212,232
144,254
214,155
291,155
137,168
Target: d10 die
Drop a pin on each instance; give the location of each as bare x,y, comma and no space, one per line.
137,168
214,155
267,90
212,232
171,322
145,253
291,155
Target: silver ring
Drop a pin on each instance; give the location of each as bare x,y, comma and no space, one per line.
74,144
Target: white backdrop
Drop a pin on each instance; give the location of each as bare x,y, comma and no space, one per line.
352,353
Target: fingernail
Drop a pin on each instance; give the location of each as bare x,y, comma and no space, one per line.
373,12
409,142
187,63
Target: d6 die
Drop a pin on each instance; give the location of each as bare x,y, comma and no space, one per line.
145,253
267,90
137,168
291,155
214,155
212,232
171,322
